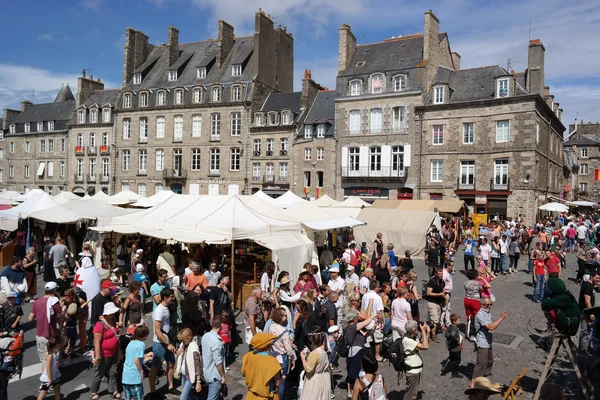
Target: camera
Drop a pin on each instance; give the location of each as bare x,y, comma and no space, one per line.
429,324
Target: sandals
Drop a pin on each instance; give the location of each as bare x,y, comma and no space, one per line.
94,396
116,395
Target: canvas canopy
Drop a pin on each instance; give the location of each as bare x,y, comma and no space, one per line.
9,219
124,197
287,199
406,229
266,198
316,218
9,194
154,199
554,207
325,201
446,206
352,202
65,197
100,196
76,210
28,195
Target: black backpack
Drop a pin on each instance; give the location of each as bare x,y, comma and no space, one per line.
398,356
343,346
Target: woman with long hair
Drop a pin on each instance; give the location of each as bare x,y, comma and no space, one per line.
317,379
413,296
495,254
194,311
283,345
189,364
401,313
133,308
377,250
384,272
29,263
472,302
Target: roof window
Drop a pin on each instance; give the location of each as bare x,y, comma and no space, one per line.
360,63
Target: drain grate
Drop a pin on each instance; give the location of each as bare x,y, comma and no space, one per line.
506,339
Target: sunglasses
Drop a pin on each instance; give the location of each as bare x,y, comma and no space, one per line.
487,305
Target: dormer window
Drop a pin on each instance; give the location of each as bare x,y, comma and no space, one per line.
216,94
236,70
50,126
161,98
377,83
438,95
308,131
172,75
355,88
93,116
40,127
127,100
106,115
81,117
272,118
144,99
259,119
502,88
321,130
399,83
198,95
201,72
137,78
286,118
12,128
236,93
179,97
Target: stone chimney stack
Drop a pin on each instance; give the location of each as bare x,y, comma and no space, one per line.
226,38
173,44
136,52
535,67
456,60
309,90
87,86
430,35
347,46
9,117
25,105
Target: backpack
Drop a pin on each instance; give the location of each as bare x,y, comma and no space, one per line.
374,390
398,356
342,346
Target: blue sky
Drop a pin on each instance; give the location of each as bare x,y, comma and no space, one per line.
49,44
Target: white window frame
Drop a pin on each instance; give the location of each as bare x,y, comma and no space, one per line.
105,167
43,146
375,159
270,144
307,154
272,118
27,147
584,169
236,123
179,96
178,128
201,72
257,145
143,161
308,131
27,127
80,168
195,159
438,139
144,99
160,127
50,126
141,189
235,159
500,171
354,122
256,170
12,128
438,94
376,120
50,145
399,83
321,128
583,151
127,100
62,168
172,75
197,125
236,70
80,140
286,117
126,160
583,187
320,153
161,98
94,116
399,119
397,158
93,167
40,127
436,171
27,171
502,88
159,160
503,131
159,187
137,78
105,139
81,117
380,89
467,172
537,132
126,129
198,95
11,147
215,94
270,171
236,93
11,171
259,119
125,186
468,134
106,115
143,129
215,161
63,145
355,87
215,126
283,171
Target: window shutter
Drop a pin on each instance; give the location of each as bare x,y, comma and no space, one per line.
50,168
386,159
195,189
344,157
363,162
407,155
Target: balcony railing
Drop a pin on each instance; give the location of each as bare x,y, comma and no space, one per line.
104,149
501,183
78,149
174,174
256,178
78,178
269,178
104,179
366,172
465,185
283,178
91,150
91,178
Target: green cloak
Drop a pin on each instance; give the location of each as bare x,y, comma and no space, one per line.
564,305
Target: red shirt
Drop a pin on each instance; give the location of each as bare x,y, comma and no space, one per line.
552,263
42,327
540,267
225,332
302,286
110,340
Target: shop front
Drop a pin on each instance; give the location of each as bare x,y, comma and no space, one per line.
367,193
275,190
493,205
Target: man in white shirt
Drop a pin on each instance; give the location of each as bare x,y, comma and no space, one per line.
484,251
448,286
352,277
365,280
582,232
337,284
377,310
504,254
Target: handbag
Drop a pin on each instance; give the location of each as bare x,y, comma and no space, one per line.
492,298
178,363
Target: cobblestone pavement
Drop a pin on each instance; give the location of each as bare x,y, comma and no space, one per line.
512,293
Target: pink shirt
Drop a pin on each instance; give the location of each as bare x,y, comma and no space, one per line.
400,309
110,340
447,277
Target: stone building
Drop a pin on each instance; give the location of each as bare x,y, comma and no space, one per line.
185,109
36,149
491,138
91,138
378,86
3,130
582,150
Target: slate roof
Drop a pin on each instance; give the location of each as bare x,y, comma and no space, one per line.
321,111
101,97
580,140
64,94
282,101
46,112
193,55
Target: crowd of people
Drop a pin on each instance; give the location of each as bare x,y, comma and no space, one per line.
363,306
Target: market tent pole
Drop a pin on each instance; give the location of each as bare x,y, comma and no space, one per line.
232,272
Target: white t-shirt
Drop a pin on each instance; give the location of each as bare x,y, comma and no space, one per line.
364,284
335,285
265,283
161,313
503,246
352,279
484,251
377,303
581,232
400,309
414,360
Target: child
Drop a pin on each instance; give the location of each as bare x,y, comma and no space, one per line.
50,377
364,249
133,370
225,334
332,337
12,313
143,279
390,248
71,322
539,277
454,345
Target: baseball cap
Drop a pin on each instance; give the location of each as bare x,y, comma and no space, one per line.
12,293
51,286
105,285
139,251
139,268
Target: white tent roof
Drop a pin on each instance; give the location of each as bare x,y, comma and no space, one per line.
9,194
76,210
27,195
287,199
318,218
9,219
582,203
65,197
154,199
556,207
264,207
100,196
124,197
266,198
353,201
325,201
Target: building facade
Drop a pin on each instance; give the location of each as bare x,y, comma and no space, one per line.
378,87
36,150
184,112
583,152
491,138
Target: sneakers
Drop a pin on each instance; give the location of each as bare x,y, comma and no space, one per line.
455,374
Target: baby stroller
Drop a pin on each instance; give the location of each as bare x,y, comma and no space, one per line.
11,354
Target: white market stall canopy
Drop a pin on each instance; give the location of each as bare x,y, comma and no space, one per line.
28,195
266,198
100,196
9,219
317,218
352,202
76,210
9,195
124,197
287,199
325,201
554,207
406,229
65,197
582,203
154,200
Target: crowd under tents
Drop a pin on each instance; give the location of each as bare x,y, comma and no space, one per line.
154,200
124,197
9,219
443,206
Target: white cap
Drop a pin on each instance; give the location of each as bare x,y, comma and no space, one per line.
110,309
333,329
334,269
139,251
50,286
350,268
139,267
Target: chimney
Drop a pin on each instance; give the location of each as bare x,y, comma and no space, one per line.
87,86
9,117
136,52
347,46
226,38
535,67
456,61
309,90
25,105
173,44
430,35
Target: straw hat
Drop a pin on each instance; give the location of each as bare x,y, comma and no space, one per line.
262,341
482,383
284,280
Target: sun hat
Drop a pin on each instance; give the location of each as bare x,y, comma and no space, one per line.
110,309
333,329
482,383
334,269
262,341
284,280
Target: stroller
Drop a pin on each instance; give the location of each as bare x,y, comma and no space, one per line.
11,354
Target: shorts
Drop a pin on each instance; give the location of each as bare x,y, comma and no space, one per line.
46,385
378,335
42,346
133,392
161,353
435,312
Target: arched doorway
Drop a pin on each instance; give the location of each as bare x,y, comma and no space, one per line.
78,190
177,188
91,190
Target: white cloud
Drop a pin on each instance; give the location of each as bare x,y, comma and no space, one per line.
53,37
94,5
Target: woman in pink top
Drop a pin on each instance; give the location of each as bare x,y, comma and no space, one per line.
106,352
401,313
485,277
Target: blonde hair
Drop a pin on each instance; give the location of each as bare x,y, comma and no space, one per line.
185,333
390,246
402,291
412,276
384,260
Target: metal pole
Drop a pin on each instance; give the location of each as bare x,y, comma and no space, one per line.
420,156
232,269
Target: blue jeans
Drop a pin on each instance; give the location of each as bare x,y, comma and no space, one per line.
284,371
503,262
530,266
214,390
538,291
186,389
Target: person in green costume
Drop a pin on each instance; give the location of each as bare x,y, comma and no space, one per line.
563,306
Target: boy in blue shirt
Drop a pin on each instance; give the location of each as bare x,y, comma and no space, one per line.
133,369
